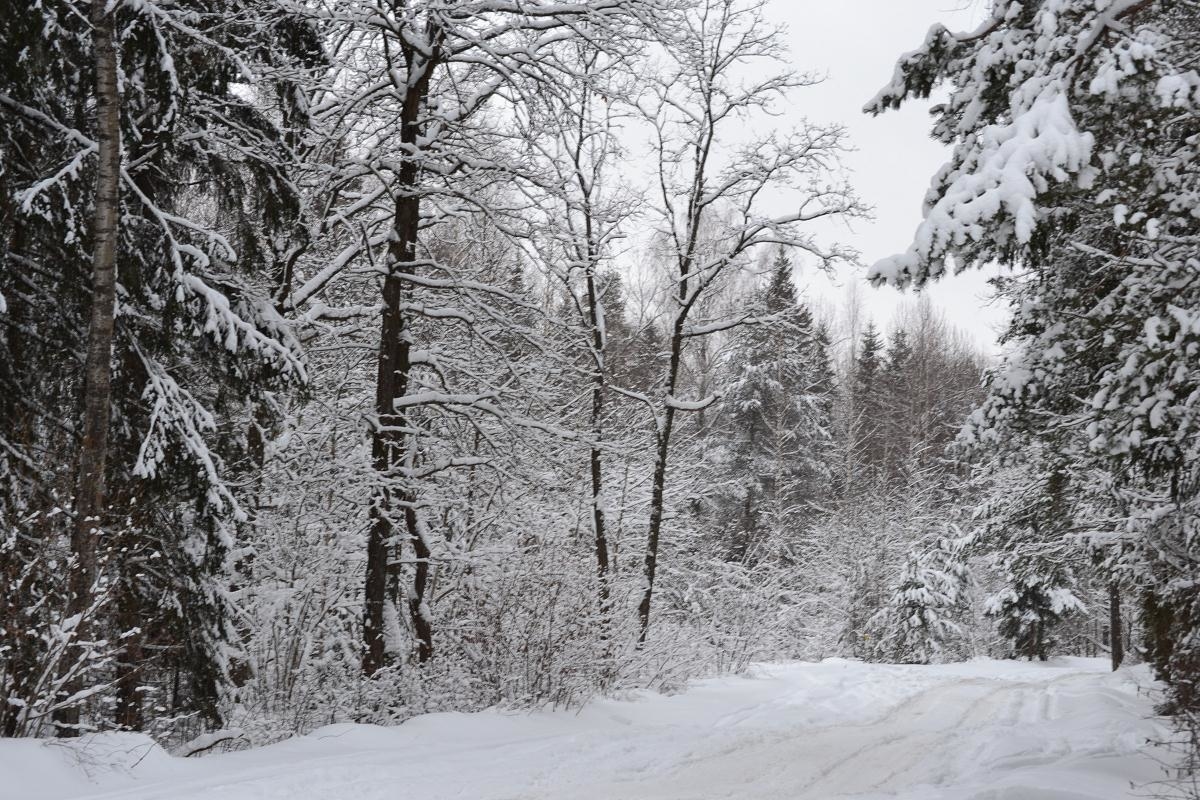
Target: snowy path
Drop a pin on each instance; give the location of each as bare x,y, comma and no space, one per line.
985,730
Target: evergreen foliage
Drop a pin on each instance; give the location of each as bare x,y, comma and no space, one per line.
1074,134
921,622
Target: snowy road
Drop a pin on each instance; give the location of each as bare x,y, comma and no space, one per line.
984,731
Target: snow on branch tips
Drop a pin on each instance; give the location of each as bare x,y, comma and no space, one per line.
179,423
256,325
998,175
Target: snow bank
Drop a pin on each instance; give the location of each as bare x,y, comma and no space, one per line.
32,769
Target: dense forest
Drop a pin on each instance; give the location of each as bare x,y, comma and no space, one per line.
366,359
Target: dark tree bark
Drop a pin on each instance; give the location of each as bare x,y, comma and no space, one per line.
97,375
417,608
128,712
389,437
743,538
588,252
658,488
596,464
595,456
1115,643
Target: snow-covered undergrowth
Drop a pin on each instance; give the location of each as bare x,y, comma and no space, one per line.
984,730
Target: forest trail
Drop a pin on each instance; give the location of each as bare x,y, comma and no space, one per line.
984,730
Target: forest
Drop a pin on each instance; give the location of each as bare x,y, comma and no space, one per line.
372,358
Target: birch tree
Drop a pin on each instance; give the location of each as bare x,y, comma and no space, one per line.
710,185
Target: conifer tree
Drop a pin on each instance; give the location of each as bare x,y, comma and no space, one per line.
899,409
865,408
920,622
1038,596
776,424
1074,158
183,331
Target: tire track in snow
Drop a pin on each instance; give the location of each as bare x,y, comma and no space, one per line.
1007,704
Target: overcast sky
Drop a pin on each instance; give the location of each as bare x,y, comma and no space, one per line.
857,43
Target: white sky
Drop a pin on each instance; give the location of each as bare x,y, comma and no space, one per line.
857,42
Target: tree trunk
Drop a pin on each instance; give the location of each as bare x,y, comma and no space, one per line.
595,457
128,712
390,435
417,608
658,489
386,442
745,537
97,374
598,523
1116,644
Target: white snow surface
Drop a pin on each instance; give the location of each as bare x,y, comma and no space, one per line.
984,730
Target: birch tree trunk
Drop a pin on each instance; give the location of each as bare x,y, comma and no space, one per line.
97,376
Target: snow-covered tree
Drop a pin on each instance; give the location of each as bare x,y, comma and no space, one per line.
424,122
921,622
775,426
1038,595
900,412
709,208
130,146
1074,161
866,409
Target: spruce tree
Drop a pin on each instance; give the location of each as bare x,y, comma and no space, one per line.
866,409
1075,159
776,428
899,409
195,339
921,622
1038,596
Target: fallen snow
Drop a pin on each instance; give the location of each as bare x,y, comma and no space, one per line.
985,730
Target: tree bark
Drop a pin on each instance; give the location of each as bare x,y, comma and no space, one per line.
417,608
1115,643
658,489
128,712
97,374
386,441
595,456
589,254
389,437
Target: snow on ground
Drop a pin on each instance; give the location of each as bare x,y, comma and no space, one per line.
984,730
